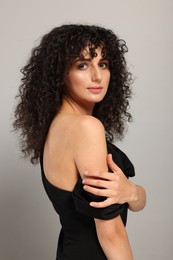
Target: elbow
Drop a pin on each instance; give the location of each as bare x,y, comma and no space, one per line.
116,236
114,232
113,239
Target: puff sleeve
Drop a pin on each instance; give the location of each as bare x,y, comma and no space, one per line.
82,199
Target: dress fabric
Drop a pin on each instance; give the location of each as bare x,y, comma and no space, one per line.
78,239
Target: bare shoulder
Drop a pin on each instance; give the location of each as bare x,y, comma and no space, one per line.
88,130
89,145
87,119
89,126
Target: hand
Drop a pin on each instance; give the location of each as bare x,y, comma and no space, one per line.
115,186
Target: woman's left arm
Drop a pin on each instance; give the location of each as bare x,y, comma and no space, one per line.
116,187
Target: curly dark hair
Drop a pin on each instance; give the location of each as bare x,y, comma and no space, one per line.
40,94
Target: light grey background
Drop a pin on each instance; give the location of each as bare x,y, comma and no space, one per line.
28,224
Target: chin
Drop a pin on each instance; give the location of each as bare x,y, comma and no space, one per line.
98,99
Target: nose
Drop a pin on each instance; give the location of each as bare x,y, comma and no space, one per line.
96,75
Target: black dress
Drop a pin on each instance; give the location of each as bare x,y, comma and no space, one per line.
78,239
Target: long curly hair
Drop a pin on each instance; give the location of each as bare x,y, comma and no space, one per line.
41,92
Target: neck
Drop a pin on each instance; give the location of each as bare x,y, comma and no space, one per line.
71,107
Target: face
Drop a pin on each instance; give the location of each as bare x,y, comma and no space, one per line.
87,80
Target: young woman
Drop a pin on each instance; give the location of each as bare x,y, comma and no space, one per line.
72,102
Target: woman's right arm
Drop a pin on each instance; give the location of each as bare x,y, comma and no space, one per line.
90,154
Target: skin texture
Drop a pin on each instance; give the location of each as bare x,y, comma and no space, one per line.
79,138
116,187
87,82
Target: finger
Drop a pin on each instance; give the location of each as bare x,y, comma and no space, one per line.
101,204
96,182
112,165
95,191
99,175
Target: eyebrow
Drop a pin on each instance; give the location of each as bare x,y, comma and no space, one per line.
89,59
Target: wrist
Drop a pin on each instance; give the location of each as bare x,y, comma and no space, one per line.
134,193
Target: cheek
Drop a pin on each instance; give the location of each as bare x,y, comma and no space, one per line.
109,74
80,78
76,79
107,78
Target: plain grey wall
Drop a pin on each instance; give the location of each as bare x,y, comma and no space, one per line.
28,224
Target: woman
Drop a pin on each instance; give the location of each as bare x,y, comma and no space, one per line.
72,102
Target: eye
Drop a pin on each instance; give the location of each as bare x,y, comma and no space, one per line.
82,66
104,65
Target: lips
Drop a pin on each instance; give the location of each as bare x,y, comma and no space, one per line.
95,90
95,87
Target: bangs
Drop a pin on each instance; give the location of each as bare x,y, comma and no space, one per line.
90,49
79,41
